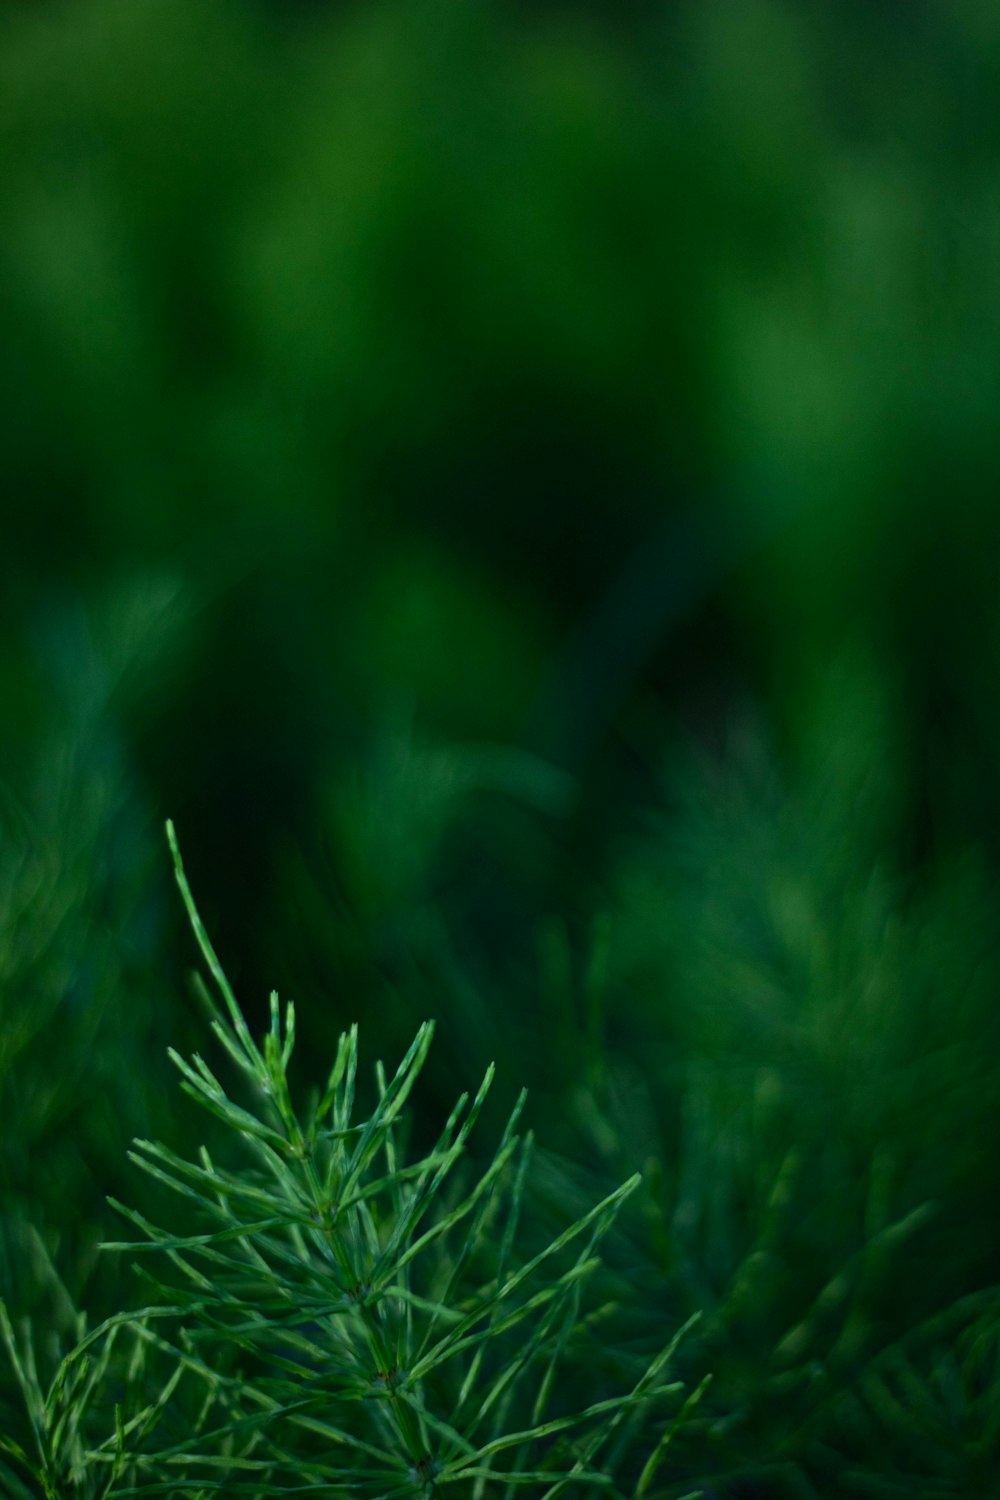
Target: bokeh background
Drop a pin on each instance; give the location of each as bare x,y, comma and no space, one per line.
517,483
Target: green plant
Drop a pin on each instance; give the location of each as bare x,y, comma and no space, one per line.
824,1069
344,1316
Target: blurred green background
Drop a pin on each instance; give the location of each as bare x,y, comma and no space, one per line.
518,485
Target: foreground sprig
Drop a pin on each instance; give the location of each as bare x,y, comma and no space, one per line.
368,1318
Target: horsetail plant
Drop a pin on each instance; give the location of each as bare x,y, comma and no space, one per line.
355,1322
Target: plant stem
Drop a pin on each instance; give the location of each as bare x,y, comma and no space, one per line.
406,1424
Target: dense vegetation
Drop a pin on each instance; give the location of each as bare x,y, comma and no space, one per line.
516,484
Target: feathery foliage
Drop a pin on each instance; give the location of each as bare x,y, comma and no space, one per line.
354,1318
